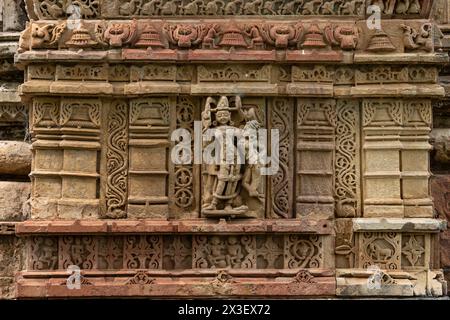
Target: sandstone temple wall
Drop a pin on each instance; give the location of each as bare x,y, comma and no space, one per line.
86,177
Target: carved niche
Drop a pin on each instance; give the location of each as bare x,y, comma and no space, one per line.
232,180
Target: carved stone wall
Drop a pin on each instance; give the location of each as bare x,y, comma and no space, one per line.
440,139
106,85
15,154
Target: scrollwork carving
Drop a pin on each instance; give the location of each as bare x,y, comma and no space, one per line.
346,162
117,160
303,251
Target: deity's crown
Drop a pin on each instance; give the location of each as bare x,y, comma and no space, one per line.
223,104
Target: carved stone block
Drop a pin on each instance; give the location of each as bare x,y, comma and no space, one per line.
316,122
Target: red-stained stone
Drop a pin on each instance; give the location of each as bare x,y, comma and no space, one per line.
313,55
445,249
178,226
149,54
440,191
61,227
205,284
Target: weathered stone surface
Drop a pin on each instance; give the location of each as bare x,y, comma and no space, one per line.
14,16
14,200
445,249
440,190
441,145
15,158
12,259
396,224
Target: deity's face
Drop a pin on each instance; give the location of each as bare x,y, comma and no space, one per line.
232,240
215,240
223,117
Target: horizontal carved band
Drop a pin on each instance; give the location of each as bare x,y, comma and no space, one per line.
88,9
183,226
177,252
241,36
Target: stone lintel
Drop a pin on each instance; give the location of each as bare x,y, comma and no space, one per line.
399,224
397,90
198,283
99,88
250,88
181,226
431,58
169,55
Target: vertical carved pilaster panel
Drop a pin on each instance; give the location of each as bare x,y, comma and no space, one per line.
281,184
347,169
185,186
148,173
117,160
382,122
66,143
47,158
80,130
316,122
78,250
415,158
380,249
142,252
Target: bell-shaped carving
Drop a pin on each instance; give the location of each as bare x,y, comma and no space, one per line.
81,39
380,42
314,38
149,37
233,37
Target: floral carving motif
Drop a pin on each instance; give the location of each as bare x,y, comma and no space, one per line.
80,251
117,160
303,252
282,114
346,189
184,174
143,252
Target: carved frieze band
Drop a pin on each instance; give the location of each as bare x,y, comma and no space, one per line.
386,250
240,35
57,9
176,252
338,75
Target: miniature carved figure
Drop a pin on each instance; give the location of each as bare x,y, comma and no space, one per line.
225,180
